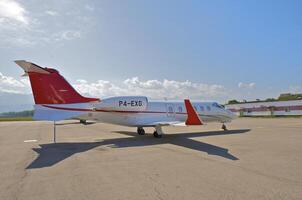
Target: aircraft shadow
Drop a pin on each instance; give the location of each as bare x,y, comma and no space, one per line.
51,154
66,123
71,123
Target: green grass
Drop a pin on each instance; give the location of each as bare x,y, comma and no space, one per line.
11,119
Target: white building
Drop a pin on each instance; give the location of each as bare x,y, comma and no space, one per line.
274,108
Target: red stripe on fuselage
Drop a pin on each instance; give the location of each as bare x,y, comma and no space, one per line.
117,111
101,110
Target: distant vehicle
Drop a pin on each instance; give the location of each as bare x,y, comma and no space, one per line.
55,99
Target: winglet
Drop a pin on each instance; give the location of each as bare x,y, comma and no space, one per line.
193,118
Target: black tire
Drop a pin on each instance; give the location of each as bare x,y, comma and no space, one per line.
82,121
224,127
140,131
156,135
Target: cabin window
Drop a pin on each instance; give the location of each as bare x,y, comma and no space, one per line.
208,108
287,109
170,109
180,109
201,108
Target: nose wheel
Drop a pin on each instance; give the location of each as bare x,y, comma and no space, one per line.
224,127
158,133
140,131
82,121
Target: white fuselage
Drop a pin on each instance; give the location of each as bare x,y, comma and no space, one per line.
56,99
159,112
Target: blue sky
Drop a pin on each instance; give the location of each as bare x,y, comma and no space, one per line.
212,50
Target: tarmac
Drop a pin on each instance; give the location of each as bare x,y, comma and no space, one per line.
255,159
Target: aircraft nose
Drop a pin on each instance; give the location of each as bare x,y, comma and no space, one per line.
231,114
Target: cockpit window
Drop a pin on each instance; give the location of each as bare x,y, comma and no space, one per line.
217,105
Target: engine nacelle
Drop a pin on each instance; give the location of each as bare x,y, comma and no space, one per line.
124,103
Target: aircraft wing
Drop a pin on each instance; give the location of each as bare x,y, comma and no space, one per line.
168,123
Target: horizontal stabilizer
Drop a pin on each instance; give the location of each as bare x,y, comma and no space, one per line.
31,67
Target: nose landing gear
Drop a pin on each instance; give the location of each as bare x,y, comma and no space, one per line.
224,127
83,121
158,133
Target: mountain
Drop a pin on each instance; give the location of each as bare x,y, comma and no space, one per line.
10,102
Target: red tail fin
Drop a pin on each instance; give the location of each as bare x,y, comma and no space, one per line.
49,87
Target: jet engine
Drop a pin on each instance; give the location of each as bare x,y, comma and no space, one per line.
124,103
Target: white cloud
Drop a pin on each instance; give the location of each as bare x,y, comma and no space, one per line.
51,13
136,83
11,85
89,7
15,24
246,85
22,24
12,11
68,35
153,88
100,88
9,81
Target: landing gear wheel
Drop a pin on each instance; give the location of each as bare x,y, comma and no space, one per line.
82,121
140,131
156,135
224,127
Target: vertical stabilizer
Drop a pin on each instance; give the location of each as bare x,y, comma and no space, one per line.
49,87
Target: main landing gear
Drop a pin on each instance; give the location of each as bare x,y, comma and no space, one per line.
224,127
140,131
158,133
